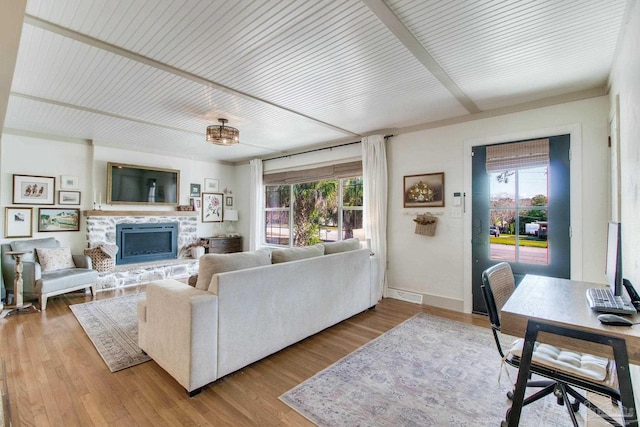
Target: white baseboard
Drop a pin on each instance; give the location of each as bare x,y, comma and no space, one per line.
425,299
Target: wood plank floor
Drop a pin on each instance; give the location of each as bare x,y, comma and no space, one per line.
56,377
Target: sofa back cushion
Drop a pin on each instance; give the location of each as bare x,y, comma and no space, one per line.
294,254
211,264
30,245
55,258
341,246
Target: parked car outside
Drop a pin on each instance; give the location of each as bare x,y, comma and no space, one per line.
494,231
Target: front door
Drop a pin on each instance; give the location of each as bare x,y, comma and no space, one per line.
520,209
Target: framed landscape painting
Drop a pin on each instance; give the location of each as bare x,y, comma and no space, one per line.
68,197
33,190
58,219
212,207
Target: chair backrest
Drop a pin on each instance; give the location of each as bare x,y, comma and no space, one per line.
498,284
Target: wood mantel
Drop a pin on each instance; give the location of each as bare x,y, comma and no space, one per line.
139,213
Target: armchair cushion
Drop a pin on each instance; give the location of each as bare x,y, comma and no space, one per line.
30,245
55,259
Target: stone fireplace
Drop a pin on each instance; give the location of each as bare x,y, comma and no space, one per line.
177,227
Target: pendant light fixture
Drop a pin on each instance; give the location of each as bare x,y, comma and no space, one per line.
223,135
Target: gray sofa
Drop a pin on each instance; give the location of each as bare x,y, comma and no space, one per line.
249,308
44,284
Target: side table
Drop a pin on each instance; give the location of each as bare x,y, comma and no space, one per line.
17,289
224,245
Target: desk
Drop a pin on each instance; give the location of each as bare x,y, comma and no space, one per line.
563,303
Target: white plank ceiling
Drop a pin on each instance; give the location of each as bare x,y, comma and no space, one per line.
150,75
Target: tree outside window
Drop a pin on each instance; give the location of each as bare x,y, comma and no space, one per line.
319,211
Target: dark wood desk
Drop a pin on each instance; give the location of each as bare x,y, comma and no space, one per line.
563,303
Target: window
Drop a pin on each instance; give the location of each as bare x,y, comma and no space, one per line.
307,213
518,211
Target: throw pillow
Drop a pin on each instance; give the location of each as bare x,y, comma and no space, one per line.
30,245
341,246
55,259
211,264
293,254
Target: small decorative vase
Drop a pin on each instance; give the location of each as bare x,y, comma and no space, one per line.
197,252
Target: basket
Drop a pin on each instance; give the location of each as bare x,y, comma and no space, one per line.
103,258
426,224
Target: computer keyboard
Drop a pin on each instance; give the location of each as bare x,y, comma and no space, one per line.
603,300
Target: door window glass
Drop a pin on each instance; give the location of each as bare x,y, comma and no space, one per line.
519,215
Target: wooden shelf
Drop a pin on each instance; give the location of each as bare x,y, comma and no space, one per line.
139,213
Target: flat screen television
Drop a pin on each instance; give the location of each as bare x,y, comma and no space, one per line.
142,185
614,258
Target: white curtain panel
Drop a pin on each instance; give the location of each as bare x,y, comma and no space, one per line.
256,228
374,174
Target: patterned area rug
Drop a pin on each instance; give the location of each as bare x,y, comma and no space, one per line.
112,326
427,371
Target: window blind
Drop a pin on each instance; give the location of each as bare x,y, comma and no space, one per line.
518,155
341,170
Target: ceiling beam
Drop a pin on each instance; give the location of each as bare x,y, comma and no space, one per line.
116,50
118,116
406,37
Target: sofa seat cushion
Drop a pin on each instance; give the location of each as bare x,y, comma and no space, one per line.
341,246
58,280
30,245
55,258
294,254
210,264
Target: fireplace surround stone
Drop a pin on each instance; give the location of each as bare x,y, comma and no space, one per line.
101,229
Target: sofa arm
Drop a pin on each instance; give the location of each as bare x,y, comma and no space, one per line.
178,328
82,261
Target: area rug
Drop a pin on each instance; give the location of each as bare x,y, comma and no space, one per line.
427,371
112,326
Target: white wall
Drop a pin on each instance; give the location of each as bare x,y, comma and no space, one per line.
439,267
42,157
625,82
33,156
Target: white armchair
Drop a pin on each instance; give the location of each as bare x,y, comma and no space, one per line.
41,283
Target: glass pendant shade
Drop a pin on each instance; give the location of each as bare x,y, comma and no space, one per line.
222,135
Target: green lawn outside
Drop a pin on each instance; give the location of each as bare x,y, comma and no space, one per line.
507,239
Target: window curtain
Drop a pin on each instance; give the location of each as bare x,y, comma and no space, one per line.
256,228
374,176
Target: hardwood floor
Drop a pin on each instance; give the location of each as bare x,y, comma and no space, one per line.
56,377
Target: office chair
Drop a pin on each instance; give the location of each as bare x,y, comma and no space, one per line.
497,286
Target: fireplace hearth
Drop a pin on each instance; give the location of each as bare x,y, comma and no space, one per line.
146,242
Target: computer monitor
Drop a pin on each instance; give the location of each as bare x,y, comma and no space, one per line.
614,258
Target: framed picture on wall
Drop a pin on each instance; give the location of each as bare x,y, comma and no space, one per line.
211,185
194,190
68,197
58,219
212,209
426,190
18,222
196,203
68,182
33,190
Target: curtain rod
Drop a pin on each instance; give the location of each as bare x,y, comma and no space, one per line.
319,149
